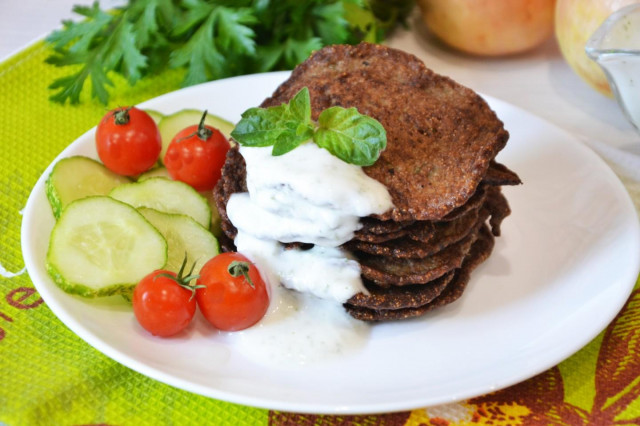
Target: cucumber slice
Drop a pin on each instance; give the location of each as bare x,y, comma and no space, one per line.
157,116
103,247
78,177
208,195
216,221
170,125
155,172
165,195
184,236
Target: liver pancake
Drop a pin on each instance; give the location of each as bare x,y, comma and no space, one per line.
409,296
388,271
479,253
441,136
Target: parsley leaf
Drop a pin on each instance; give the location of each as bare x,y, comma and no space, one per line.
210,39
344,132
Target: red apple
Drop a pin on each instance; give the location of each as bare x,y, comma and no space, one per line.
490,27
576,21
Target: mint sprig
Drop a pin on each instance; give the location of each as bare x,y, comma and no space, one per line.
344,132
284,126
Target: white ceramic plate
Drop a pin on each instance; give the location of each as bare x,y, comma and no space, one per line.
566,262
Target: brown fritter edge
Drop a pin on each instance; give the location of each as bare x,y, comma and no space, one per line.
481,250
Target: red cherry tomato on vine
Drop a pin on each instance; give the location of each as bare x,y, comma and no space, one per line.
162,305
128,141
196,154
233,295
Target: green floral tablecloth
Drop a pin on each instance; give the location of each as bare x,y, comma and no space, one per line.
50,376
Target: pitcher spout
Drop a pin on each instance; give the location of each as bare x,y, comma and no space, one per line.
615,46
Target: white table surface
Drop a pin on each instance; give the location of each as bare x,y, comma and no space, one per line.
539,81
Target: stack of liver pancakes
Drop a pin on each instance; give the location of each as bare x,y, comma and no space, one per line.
439,168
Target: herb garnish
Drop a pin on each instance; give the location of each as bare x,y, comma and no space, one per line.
344,132
210,39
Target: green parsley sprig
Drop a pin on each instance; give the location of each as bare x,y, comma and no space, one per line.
211,39
344,132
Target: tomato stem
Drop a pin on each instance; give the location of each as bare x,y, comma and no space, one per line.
238,268
185,281
203,132
121,116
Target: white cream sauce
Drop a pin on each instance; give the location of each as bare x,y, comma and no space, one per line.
300,329
326,272
309,196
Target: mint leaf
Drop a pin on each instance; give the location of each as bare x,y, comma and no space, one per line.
259,126
284,126
300,106
287,142
344,132
350,136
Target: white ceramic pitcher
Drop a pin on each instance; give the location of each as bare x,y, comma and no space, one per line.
615,46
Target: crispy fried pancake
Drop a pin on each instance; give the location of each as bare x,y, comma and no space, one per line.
441,136
377,231
409,296
388,271
232,180
380,238
499,208
476,200
498,174
221,199
480,250
444,234
372,225
422,231
439,168
226,243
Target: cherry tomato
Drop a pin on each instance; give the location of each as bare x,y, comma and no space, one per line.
128,141
162,305
233,295
196,154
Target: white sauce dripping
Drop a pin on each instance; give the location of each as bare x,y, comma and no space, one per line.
300,329
306,195
309,196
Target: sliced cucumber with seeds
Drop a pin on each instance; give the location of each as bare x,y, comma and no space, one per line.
155,172
170,125
101,247
208,195
184,236
78,177
165,195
